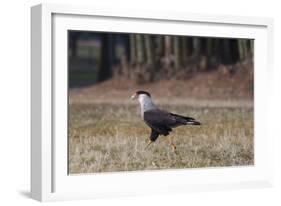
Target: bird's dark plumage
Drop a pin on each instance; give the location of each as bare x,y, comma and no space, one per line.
161,122
153,135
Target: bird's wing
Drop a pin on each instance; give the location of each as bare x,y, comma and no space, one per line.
184,120
159,120
162,121
157,116
185,117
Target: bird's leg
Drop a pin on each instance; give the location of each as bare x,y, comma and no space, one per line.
148,144
174,147
172,144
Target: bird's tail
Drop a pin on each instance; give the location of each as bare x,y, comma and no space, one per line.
187,120
194,122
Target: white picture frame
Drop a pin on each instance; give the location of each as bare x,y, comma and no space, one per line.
49,177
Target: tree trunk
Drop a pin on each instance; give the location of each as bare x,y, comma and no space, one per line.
184,52
209,47
167,51
133,52
107,56
252,47
159,49
177,52
242,44
196,44
168,46
140,49
149,50
226,55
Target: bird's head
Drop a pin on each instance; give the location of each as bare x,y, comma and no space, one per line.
140,95
145,100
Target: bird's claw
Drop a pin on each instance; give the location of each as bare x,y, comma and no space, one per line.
173,147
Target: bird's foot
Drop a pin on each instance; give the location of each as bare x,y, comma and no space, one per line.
173,147
148,144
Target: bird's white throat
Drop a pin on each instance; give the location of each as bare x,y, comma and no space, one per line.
146,103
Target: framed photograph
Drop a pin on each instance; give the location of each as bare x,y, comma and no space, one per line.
138,102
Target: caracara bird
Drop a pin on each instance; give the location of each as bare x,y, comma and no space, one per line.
160,121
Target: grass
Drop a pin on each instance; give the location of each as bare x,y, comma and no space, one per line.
107,137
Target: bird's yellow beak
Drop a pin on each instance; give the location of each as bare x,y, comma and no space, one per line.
134,96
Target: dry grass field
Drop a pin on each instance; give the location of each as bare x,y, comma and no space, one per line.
107,134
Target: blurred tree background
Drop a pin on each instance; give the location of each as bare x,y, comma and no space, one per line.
143,58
